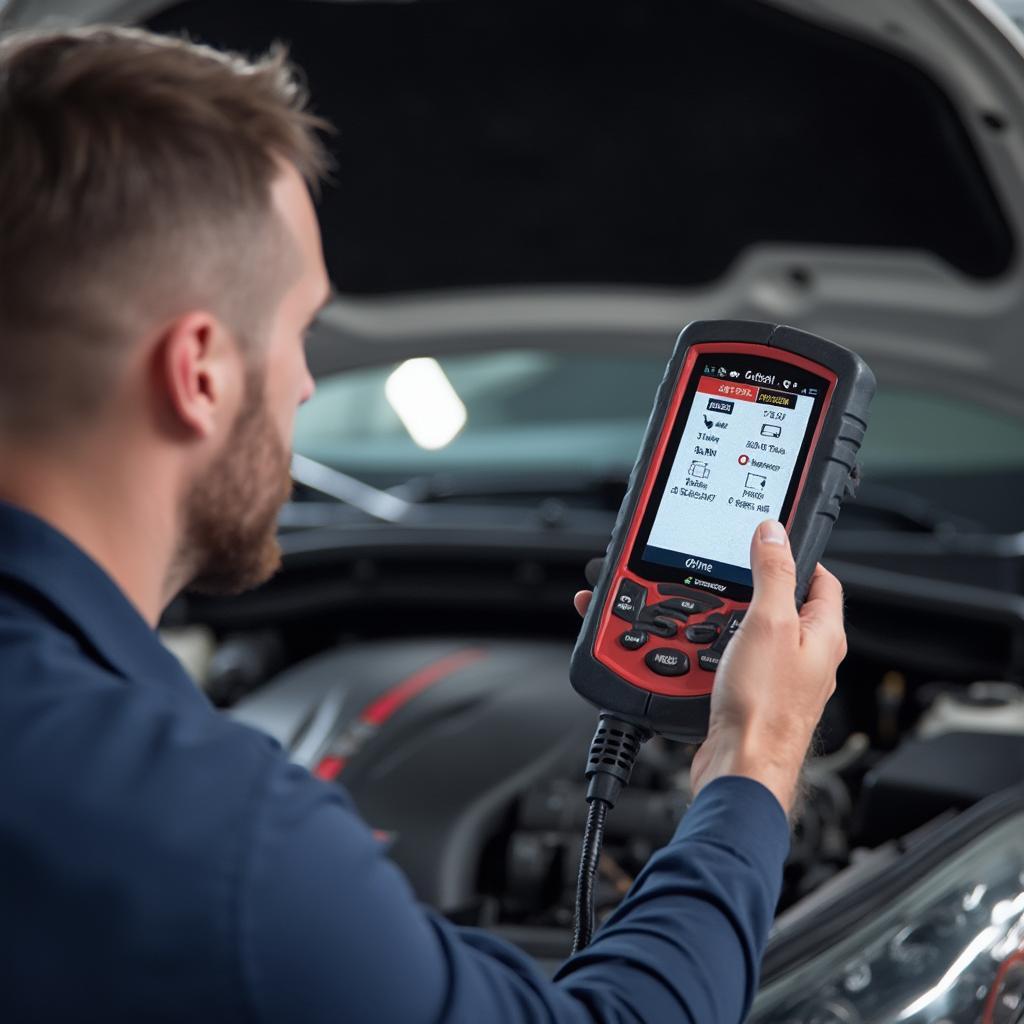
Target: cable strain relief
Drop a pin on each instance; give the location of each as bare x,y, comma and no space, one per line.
613,752
603,787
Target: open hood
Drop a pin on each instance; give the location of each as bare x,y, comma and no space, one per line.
595,178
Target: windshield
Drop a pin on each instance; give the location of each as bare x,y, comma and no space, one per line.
529,411
502,412
487,420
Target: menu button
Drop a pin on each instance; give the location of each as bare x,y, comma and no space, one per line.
629,600
666,661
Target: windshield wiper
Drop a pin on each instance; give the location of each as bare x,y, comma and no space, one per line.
536,483
332,483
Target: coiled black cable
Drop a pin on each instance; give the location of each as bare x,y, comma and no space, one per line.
593,837
613,752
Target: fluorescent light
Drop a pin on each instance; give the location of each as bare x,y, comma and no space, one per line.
426,403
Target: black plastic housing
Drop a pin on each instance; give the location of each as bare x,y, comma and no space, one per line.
831,476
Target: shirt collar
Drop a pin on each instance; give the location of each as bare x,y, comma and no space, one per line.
37,556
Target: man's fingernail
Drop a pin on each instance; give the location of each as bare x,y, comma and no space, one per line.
772,532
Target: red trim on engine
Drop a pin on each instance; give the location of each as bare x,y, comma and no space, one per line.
378,712
329,767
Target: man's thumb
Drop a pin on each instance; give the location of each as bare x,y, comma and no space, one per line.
771,562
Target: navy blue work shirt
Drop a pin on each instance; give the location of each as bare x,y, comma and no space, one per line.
159,862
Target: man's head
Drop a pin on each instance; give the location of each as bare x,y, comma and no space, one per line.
161,265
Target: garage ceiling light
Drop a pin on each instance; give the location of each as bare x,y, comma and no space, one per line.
425,402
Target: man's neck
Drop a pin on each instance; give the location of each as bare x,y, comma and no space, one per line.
119,514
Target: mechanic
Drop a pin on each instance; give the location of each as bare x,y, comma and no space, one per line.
161,264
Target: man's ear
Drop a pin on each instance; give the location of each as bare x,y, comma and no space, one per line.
196,370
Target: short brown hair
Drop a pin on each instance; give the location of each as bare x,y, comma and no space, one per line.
135,175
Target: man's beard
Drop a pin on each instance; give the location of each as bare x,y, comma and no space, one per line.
231,514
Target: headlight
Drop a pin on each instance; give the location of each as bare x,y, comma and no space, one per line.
948,950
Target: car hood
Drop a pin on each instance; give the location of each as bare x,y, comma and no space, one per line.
852,169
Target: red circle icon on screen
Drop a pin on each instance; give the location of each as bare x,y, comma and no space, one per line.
744,459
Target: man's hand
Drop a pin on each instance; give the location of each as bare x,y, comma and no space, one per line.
776,675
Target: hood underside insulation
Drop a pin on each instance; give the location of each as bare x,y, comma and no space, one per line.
635,143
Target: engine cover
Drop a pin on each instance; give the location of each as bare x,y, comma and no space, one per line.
434,739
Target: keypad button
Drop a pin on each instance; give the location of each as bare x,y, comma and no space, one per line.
666,661
633,639
681,606
659,625
629,600
727,633
675,590
702,633
668,609
708,660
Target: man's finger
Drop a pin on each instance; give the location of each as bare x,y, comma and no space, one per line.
592,571
771,563
822,612
582,601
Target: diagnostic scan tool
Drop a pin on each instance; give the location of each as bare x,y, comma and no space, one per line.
752,421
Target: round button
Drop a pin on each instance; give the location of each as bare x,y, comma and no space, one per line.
633,639
666,661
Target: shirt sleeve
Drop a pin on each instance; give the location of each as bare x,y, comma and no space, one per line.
330,931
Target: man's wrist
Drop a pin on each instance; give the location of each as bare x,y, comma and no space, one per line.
780,783
775,766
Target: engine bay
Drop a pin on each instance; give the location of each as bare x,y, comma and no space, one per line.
431,681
